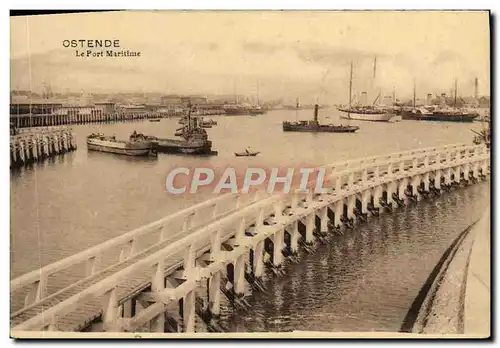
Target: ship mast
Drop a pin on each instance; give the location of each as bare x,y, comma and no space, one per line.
189,114
350,94
414,93
455,99
297,105
393,95
258,100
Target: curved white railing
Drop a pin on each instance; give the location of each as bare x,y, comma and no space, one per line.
257,212
130,238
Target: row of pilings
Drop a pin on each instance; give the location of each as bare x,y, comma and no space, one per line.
48,120
245,274
38,144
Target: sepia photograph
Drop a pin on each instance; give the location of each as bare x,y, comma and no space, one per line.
250,174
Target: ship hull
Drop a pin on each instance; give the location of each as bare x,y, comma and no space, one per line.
243,112
382,117
321,129
141,149
438,117
181,146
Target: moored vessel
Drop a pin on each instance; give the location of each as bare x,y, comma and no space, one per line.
194,139
315,126
441,112
364,112
137,145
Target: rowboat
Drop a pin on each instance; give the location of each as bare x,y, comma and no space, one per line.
246,154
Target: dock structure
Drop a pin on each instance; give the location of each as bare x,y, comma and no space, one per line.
170,275
49,120
37,144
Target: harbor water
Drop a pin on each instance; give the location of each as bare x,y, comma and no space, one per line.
364,280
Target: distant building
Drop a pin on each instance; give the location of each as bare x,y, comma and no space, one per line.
167,100
73,111
484,102
33,108
107,107
133,109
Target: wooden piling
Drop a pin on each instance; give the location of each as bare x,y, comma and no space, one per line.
36,144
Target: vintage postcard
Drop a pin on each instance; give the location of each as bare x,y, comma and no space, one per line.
315,174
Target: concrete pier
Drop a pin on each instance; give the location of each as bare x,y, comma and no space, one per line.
37,144
226,250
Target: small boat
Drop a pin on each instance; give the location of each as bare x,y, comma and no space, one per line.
246,153
154,119
137,145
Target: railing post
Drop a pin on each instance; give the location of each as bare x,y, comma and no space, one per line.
92,265
324,219
260,218
466,171
189,261
294,237
310,227
189,311
278,208
187,225
295,200
364,202
426,181
240,232
339,207
158,285
214,294
239,276
350,182
214,211
457,173
338,184
351,204
278,242
110,310
390,167
258,259
215,244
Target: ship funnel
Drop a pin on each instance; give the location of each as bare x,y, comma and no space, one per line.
364,98
429,99
315,112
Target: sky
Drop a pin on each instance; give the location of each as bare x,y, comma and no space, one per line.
272,54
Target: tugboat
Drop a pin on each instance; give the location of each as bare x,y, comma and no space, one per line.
195,139
315,126
137,145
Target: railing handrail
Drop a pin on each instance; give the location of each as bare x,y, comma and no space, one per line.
36,275
84,255
174,248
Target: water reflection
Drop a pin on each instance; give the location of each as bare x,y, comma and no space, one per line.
366,279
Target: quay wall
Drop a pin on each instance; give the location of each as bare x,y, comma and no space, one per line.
457,300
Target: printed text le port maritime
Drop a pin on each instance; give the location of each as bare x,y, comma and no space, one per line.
98,48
